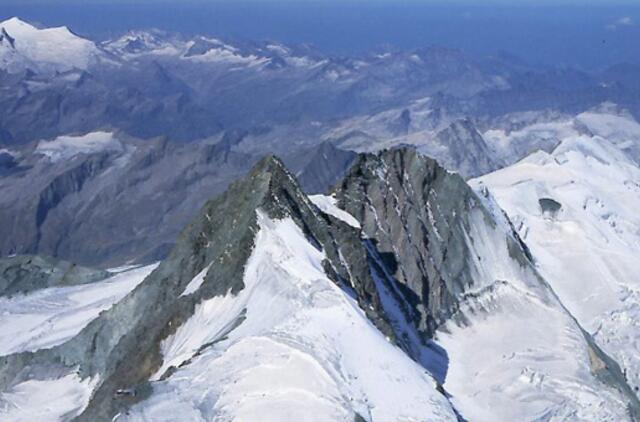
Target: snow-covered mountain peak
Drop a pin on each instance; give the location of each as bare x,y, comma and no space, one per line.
212,50
135,44
16,25
49,49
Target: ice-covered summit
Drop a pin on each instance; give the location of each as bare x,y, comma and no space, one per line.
24,46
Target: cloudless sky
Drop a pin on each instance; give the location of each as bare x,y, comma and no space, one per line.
588,34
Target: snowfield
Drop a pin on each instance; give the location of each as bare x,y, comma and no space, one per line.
51,316
514,353
616,126
47,318
588,251
522,359
46,400
290,346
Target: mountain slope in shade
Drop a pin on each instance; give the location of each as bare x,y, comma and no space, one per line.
104,198
587,245
23,46
460,147
450,138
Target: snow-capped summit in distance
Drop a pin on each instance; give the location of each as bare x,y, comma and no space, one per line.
24,46
202,50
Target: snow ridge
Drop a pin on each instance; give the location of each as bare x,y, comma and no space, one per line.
293,353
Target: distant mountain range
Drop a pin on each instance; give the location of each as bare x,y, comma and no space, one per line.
151,83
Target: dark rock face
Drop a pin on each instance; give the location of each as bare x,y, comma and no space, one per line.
24,274
68,183
4,36
7,163
32,221
549,207
418,214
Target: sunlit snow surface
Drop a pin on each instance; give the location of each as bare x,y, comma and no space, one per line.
49,317
52,49
47,399
589,251
514,354
46,318
301,349
327,204
606,122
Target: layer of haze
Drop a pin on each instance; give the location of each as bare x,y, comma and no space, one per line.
590,36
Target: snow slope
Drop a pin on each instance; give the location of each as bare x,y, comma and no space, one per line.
514,353
50,49
588,251
46,399
327,204
49,317
290,346
606,121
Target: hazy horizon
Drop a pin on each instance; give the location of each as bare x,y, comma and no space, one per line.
570,35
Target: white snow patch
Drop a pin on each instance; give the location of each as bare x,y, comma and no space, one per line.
65,147
47,399
6,151
223,53
197,281
140,43
618,128
44,49
327,204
